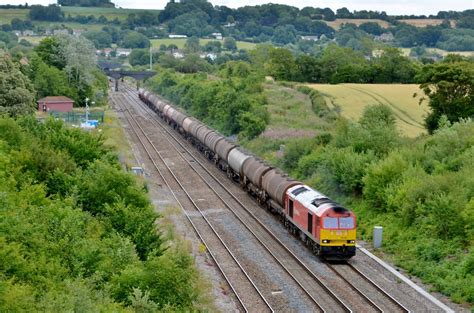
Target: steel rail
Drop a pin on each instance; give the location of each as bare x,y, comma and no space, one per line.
380,289
359,292
201,213
269,232
247,227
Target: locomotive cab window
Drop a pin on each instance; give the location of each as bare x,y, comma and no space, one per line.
346,222
330,222
290,208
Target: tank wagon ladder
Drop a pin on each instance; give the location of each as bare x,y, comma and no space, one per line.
241,301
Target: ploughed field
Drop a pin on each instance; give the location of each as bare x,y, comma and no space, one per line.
351,99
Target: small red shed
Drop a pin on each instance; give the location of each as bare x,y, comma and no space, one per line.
56,103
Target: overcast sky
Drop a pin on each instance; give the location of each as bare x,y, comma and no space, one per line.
392,7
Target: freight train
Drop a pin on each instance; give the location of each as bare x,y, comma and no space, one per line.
325,226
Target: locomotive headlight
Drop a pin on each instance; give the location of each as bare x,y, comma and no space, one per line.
350,241
325,241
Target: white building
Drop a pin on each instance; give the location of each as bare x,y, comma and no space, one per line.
60,32
385,37
312,38
177,54
218,36
210,55
123,52
177,36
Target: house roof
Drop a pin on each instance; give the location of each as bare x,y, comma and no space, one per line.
55,99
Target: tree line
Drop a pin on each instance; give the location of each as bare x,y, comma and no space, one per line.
280,24
339,65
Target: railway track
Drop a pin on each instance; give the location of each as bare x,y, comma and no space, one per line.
346,272
378,301
233,272
312,286
363,296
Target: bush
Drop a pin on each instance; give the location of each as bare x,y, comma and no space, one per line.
348,167
234,105
76,232
381,177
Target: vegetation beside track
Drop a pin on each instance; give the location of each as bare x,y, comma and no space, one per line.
418,189
232,101
78,233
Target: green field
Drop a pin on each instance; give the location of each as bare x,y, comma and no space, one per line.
109,13
351,99
6,15
406,52
180,43
34,40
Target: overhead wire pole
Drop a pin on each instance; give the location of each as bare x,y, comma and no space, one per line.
151,56
151,64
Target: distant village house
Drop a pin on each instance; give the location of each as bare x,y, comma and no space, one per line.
123,52
209,55
312,38
218,36
385,37
60,32
178,54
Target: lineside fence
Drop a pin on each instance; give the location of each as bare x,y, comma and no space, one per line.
77,117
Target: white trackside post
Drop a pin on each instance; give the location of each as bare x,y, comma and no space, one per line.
378,230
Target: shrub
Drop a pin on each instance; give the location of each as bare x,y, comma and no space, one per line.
383,176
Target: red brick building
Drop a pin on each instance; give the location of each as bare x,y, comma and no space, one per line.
57,103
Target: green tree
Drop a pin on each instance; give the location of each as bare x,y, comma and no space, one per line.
139,57
230,44
450,89
16,91
192,45
309,68
213,46
192,63
341,64
284,34
371,28
392,67
281,64
50,81
133,39
51,12
100,39
49,51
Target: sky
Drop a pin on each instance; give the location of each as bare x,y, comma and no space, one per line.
398,7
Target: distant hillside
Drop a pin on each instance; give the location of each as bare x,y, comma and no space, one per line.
86,3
